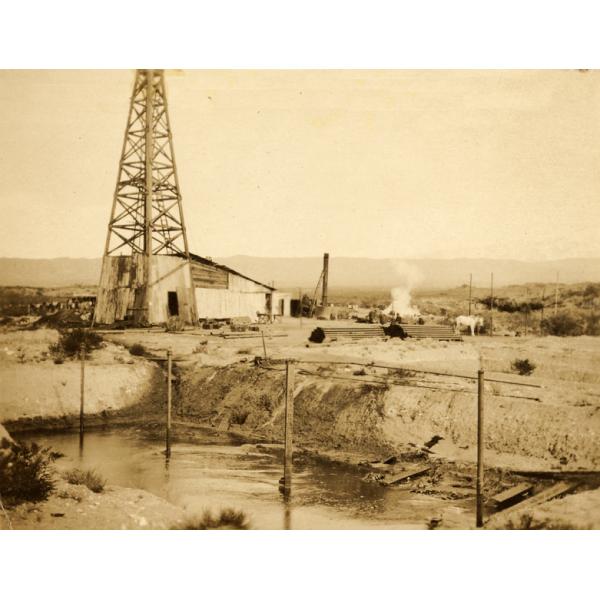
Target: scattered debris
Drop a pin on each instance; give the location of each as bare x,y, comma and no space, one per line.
511,495
406,475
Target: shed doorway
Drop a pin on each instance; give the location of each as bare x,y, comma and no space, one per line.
173,304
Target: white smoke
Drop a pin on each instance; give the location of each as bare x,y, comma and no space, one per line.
408,277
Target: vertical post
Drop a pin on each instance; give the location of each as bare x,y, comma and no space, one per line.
543,305
289,427
81,390
301,311
169,379
325,278
264,345
470,291
556,295
526,310
492,307
480,442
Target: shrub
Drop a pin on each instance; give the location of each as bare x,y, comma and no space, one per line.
201,348
523,366
562,324
238,416
92,480
137,350
25,472
245,351
227,519
70,342
175,324
592,324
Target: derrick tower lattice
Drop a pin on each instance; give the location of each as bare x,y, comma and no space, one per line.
147,215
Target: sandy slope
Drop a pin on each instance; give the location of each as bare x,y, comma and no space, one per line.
32,386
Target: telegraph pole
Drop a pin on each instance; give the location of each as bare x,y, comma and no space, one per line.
556,295
480,443
492,307
470,291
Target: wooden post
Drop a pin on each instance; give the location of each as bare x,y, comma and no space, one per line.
289,427
81,390
169,377
492,307
264,345
287,514
556,295
470,291
543,304
480,442
526,310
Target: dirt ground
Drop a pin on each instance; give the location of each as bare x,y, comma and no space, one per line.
76,507
361,409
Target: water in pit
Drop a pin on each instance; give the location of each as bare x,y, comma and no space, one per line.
217,471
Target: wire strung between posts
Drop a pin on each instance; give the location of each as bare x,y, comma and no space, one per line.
368,381
384,383
394,368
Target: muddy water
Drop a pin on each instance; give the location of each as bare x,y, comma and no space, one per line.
217,471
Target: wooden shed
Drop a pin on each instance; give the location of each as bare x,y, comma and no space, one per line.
192,290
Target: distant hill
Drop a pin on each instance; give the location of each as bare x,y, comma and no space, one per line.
52,272
422,273
344,272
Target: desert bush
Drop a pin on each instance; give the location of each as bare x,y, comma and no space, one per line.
201,348
238,416
137,350
244,351
175,324
523,366
529,521
592,324
25,472
562,324
227,519
70,342
509,305
92,480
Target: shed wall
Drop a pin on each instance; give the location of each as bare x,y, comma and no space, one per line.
244,298
121,296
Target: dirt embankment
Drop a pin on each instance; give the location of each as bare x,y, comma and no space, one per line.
376,419
36,392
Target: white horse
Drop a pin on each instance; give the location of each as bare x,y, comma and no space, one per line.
472,322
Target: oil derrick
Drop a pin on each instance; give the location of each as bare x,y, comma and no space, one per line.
146,223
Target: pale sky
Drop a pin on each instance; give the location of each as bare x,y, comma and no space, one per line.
405,164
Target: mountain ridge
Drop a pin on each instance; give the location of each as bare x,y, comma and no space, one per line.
343,271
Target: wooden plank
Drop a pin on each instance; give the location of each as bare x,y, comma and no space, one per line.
511,494
405,475
207,276
550,493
